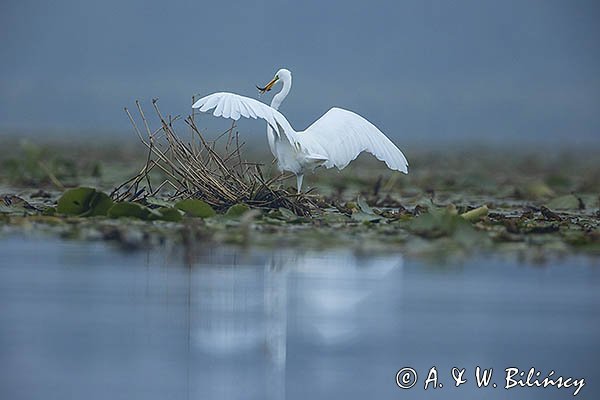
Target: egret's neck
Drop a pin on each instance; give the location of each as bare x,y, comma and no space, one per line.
279,97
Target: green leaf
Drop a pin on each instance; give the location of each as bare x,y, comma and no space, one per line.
128,209
438,223
84,202
195,208
237,210
169,214
99,205
49,211
568,202
75,201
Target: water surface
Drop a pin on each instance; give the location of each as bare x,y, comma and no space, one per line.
86,320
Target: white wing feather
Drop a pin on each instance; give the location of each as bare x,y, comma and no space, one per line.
230,105
337,138
344,135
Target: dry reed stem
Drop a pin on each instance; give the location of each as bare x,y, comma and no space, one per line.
197,170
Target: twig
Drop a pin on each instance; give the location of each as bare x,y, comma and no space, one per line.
196,169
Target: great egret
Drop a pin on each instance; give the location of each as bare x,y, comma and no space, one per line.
333,140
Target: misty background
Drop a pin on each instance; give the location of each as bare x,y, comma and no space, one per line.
420,70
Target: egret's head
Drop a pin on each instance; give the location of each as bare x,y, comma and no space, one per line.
283,75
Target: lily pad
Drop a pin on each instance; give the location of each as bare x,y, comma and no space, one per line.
237,210
84,202
196,208
49,211
129,209
568,202
75,201
438,223
169,214
99,205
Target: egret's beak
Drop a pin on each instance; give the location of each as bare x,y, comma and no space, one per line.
268,86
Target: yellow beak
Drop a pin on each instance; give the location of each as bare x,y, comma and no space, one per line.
268,86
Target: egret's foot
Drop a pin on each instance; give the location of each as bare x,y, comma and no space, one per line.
299,182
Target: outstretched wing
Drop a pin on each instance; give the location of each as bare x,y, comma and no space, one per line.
234,106
344,135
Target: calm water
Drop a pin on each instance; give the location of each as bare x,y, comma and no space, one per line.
85,320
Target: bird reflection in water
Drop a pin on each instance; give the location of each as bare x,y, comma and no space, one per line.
241,304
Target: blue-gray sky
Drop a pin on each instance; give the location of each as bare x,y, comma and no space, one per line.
418,69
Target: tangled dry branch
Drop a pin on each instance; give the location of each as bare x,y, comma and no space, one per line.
196,169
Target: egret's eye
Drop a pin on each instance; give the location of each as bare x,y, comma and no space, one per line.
276,76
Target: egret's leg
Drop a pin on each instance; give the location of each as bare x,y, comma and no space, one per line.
299,178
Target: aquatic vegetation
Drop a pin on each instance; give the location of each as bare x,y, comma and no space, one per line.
446,207
195,208
418,228
84,202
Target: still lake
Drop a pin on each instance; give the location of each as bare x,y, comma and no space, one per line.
88,320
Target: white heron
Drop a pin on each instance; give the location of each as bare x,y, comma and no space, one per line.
334,140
